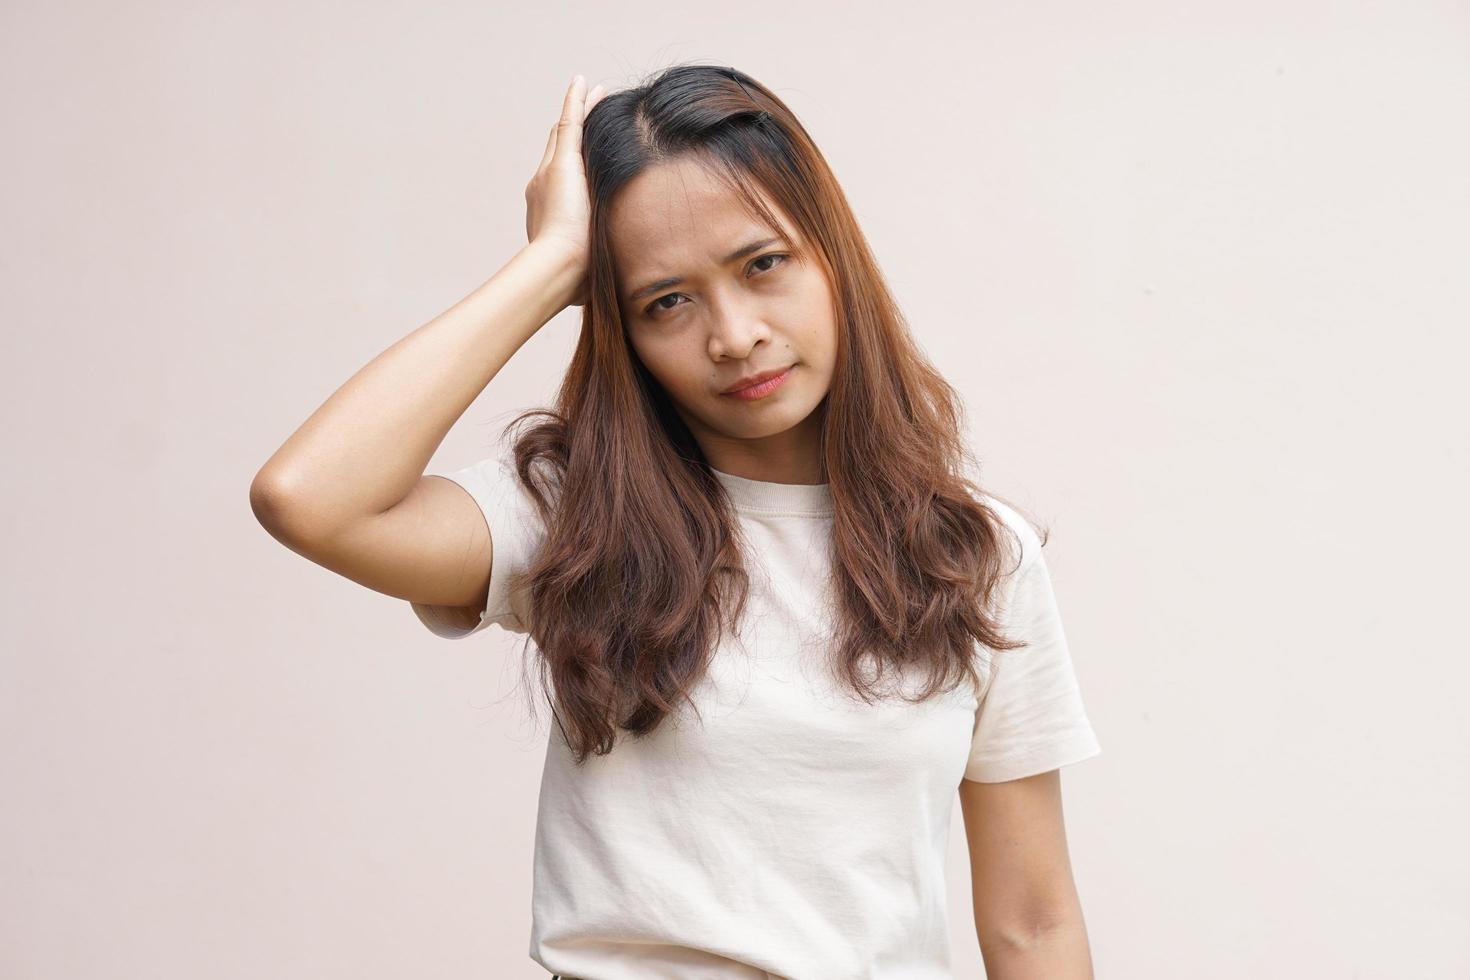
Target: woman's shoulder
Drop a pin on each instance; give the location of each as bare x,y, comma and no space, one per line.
1018,529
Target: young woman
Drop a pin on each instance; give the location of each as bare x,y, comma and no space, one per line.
777,622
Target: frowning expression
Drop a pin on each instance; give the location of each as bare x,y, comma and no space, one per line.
711,296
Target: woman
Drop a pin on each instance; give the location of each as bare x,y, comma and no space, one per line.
777,622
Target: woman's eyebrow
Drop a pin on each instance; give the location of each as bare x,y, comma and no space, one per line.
739,253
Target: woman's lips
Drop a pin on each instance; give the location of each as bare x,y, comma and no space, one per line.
763,389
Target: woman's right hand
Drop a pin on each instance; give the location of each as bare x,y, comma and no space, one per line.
558,210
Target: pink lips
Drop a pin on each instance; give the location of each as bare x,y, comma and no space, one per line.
761,389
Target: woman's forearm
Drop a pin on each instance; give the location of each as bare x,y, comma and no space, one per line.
363,450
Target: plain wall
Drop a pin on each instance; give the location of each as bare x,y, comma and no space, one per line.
1199,272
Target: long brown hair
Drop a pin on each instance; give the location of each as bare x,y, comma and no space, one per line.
640,572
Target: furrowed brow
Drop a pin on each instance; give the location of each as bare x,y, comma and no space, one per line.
747,249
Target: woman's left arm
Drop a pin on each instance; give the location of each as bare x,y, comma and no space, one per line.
1027,914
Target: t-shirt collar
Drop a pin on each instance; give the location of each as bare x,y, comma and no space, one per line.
767,497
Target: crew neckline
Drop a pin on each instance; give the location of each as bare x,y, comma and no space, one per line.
762,496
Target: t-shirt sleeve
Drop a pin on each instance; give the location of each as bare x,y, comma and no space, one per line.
516,532
1031,718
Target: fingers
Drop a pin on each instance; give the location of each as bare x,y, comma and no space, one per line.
569,126
568,105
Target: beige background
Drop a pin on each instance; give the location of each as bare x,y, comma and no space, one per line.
1200,273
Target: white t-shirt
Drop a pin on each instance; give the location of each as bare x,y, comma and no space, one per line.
796,832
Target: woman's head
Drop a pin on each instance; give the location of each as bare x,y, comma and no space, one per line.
631,589
684,173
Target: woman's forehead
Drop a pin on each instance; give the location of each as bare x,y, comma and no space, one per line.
680,200
671,216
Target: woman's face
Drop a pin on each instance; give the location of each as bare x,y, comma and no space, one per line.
704,312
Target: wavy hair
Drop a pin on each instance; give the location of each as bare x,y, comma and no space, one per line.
640,573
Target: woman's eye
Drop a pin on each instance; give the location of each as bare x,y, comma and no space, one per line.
656,306
659,306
